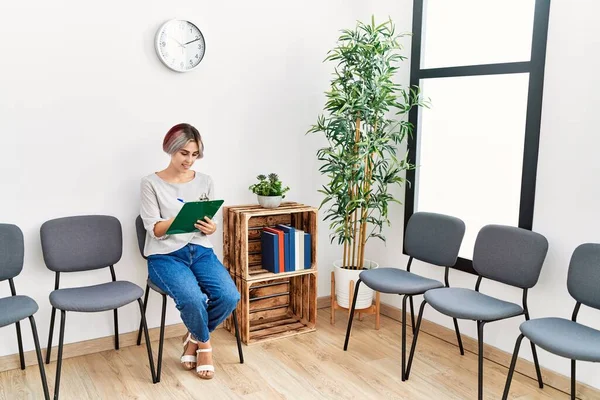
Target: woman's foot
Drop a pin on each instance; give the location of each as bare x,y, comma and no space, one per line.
188,358
204,368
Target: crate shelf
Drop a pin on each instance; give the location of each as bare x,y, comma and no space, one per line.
272,305
241,235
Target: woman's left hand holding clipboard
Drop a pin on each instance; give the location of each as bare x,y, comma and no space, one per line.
206,226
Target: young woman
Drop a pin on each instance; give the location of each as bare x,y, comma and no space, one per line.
184,265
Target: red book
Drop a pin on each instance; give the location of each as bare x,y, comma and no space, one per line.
281,237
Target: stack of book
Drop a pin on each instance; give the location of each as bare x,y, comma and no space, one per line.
285,249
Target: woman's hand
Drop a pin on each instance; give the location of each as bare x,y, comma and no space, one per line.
206,226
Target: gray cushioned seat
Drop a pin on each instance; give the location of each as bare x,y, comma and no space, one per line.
469,304
393,280
103,297
155,288
16,308
564,338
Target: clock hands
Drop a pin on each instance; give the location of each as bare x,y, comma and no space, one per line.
176,41
192,41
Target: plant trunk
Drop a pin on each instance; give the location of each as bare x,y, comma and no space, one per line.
364,210
363,224
353,193
354,242
344,260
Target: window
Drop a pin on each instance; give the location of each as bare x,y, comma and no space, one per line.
472,32
482,65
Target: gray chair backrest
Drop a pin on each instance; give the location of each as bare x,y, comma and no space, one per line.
434,238
583,280
509,255
81,243
141,234
12,251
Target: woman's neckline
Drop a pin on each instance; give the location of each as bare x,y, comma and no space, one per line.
176,183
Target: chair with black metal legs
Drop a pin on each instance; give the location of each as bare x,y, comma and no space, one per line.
432,238
84,243
561,336
505,254
15,308
141,238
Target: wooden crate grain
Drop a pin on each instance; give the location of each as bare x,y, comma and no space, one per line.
276,308
241,236
272,305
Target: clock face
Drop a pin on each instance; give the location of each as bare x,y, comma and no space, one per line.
180,45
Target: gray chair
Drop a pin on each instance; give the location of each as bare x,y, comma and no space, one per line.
561,336
433,238
15,308
141,239
505,254
84,243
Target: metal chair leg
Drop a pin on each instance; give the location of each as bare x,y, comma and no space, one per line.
49,347
533,350
415,337
513,363
161,340
38,352
458,338
412,314
116,315
61,338
480,325
537,366
237,336
20,343
573,381
139,338
351,315
147,337
404,336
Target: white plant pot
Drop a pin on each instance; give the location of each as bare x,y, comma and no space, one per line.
342,285
269,201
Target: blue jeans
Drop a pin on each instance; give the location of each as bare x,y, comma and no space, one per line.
203,291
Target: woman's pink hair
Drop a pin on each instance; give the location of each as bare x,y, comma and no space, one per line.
179,135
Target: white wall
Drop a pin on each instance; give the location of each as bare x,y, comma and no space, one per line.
85,103
566,208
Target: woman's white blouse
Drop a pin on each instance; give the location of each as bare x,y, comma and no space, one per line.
162,200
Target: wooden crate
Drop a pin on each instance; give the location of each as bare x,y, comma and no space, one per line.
241,236
276,308
272,305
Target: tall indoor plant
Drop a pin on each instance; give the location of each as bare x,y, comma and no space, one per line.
365,122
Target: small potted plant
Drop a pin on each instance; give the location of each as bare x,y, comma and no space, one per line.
269,190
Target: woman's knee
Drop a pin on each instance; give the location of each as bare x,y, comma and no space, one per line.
232,298
190,298
228,298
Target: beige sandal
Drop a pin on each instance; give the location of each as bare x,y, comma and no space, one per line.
188,358
207,367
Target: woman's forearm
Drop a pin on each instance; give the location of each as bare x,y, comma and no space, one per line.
160,228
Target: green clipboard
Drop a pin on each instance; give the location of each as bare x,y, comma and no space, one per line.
190,213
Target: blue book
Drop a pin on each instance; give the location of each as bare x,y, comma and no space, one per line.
290,246
286,251
269,245
307,250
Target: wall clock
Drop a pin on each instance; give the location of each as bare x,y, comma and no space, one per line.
180,45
